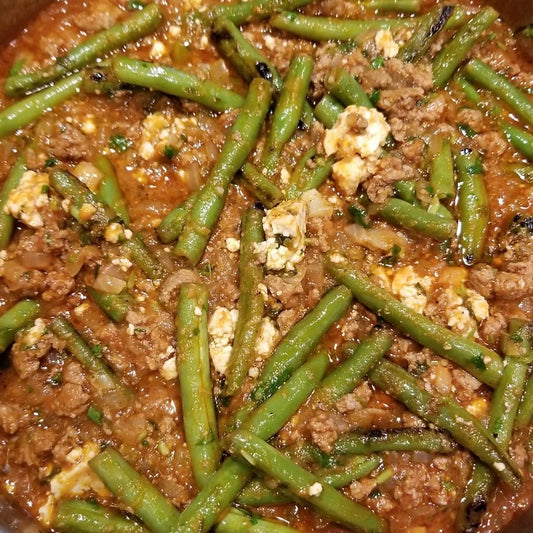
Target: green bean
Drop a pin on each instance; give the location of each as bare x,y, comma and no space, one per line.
310,172
115,306
328,110
345,88
274,412
304,485
215,497
241,12
90,212
481,362
397,440
441,175
300,341
446,414
289,109
100,80
239,143
356,467
172,225
109,191
82,202
403,6
425,32
325,28
481,74
24,112
100,375
352,370
475,499
238,521
175,82
472,205
243,55
229,480
250,62
78,516
455,50
143,257
406,190
516,346
267,193
411,217
251,301
257,494
7,222
525,409
521,139
101,43
199,417
135,491
22,314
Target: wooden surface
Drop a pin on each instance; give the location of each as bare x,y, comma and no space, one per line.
517,13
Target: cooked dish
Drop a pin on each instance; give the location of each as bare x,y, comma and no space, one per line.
266,266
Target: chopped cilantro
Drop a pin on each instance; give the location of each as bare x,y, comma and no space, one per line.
170,151
359,216
392,258
136,5
375,96
119,143
51,162
95,415
466,130
378,62
97,349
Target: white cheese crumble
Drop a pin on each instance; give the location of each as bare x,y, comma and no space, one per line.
122,262
465,310
356,146
158,50
75,479
34,334
386,44
24,200
169,370
411,288
284,227
161,134
267,337
315,489
232,244
221,329
114,232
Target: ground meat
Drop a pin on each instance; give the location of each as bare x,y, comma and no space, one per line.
389,169
11,417
325,429
399,102
465,384
286,288
355,400
72,398
68,143
482,278
491,142
492,329
58,284
26,359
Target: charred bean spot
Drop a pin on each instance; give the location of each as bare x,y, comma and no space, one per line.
263,70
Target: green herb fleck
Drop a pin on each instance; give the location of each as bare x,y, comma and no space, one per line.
170,151
378,62
392,258
136,5
119,143
95,415
51,162
466,130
